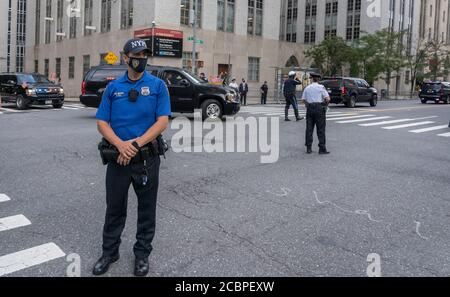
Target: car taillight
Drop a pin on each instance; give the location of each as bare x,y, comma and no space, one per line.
83,88
344,91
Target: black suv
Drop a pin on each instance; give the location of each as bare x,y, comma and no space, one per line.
187,91
349,90
25,89
435,91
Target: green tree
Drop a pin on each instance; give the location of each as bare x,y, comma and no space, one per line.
330,56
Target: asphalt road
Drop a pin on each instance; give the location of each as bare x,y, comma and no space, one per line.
383,191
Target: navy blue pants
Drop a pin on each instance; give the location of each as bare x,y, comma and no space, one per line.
118,181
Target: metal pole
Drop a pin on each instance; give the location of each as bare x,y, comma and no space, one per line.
194,31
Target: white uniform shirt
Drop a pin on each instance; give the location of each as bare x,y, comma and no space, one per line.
234,86
315,93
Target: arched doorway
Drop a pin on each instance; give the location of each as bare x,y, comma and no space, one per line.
292,62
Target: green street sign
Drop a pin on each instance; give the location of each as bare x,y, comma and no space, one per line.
198,41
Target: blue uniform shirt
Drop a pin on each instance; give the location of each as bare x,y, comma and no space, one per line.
130,120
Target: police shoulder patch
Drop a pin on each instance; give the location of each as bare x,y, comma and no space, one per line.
145,91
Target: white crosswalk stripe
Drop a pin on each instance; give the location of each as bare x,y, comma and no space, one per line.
429,129
364,120
13,222
4,198
408,125
23,259
29,258
351,117
444,135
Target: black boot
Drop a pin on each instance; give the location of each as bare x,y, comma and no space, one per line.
102,265
286,115
323,152
297,116
141,267
309,150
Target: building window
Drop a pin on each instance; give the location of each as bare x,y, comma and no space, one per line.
58,68
102,59
106,16
46,67
20,35
88,5
86,64
71,67
310,21
289,26
187,60
253,69
59,20
73,27
225,15
331,13
255,17
126,14
37,31
353,20
48,22
407,77
186,7
36,66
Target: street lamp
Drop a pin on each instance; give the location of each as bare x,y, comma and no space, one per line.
193,15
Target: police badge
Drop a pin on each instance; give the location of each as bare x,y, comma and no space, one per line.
145,91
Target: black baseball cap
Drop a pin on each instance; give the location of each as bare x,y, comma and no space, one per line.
136,45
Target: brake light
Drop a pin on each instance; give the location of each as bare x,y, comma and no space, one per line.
83,88
110,78
343,90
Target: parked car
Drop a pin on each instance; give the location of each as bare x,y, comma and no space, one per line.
25,89
435,91
350,90
187,91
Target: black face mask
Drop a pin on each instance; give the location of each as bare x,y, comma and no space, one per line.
138,64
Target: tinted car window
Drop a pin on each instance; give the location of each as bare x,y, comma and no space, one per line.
32,78
350,83
101,75
332,83
434,87
173,78
3,79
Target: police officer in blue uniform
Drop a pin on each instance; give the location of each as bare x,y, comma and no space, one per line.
316,100
134,111
289,94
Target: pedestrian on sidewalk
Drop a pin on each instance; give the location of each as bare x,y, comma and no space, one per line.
243,91
289,94
264,92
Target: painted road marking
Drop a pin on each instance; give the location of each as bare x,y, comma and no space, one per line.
444,135
13,222
364,120
429,129
352,117
408,125
11,110
30,257
396,121
4,198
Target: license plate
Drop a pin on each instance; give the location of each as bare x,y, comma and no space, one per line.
48,101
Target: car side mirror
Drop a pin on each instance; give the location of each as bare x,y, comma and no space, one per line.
184,83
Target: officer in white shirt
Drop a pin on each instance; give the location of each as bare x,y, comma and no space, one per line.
316,100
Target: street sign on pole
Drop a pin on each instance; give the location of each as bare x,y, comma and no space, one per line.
111,58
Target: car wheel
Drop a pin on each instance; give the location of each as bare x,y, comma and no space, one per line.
374,101
21,103
423,101
57,104
211,109
352,102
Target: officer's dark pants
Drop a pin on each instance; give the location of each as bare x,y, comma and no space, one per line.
316,117
118,180
244,98
291,100
264,98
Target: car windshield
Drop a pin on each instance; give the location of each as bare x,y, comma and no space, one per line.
194,77
331,83
435,87
32,79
